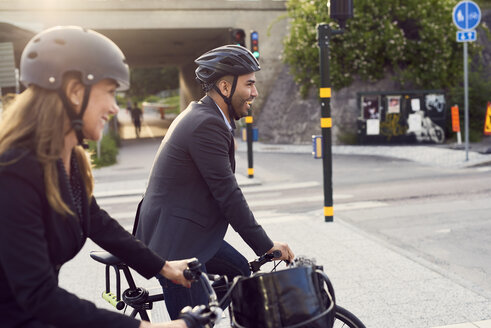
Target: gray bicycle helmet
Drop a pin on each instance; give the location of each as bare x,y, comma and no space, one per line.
58,50
52,53
226,60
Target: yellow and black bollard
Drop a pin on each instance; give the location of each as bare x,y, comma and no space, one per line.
324,35
250,167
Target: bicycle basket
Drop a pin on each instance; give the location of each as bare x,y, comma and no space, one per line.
287,298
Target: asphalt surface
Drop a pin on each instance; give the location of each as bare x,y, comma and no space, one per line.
383,285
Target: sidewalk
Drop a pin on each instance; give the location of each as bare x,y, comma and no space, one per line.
383,285
448,156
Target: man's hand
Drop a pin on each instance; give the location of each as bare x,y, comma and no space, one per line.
173,270
286,252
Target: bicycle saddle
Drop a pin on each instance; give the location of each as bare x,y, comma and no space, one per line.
105,258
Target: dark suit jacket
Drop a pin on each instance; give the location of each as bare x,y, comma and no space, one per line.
35,241
192,194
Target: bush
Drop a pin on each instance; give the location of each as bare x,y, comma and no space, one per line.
108,152
479,95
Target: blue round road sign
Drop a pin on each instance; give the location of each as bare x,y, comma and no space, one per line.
466,15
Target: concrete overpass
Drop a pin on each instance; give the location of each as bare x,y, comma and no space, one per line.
155,33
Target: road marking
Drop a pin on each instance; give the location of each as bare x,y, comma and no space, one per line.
272,216
292,200
268,217
116,193
285,201
128,228
286,186
119,200
252,202
149,130
123,215
358,205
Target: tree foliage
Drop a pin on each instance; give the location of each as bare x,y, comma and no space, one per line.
148,81
413,39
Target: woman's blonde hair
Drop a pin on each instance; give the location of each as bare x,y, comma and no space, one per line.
36,120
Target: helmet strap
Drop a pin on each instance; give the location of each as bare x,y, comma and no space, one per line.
228,100
76,120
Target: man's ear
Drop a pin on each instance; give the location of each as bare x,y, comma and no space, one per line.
224,86
75,92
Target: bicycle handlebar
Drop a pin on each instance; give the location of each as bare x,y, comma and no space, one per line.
255,265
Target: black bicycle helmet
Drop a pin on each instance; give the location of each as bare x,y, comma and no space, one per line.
226,60
58,50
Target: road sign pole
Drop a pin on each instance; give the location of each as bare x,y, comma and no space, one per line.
466,103
466,16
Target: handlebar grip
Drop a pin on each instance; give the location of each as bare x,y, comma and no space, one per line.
193,271
188,274
276,254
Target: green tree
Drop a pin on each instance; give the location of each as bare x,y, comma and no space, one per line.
148,81
413,39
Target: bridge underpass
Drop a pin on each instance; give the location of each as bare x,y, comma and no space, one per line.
158,33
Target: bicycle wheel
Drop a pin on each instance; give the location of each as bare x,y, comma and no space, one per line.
344,318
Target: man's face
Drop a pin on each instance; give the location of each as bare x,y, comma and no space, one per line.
245,93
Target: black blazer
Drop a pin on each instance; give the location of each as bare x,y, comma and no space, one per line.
34,243
192,194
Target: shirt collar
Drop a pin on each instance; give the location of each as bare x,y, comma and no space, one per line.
225,118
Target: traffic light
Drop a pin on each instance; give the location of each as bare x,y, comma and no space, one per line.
238,37
255,44
341,11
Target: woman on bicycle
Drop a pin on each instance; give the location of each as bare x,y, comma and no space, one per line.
47,209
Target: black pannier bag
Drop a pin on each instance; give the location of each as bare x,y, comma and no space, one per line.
291,298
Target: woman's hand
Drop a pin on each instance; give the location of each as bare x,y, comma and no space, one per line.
173,270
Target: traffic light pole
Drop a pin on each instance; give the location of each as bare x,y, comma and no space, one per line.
324,33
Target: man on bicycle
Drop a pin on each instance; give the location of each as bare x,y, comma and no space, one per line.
192,194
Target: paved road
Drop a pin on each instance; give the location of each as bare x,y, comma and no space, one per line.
384,282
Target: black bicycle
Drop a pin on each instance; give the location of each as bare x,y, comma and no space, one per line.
141,300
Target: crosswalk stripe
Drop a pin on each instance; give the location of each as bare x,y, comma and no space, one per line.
272,216
282,218
285,186
292,200
119,200
358,205
276,200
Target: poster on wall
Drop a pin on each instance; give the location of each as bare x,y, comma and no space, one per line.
415,122
435,105
373,127
393,104
415,104
370,107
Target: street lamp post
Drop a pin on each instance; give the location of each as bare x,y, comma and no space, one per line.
340,10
